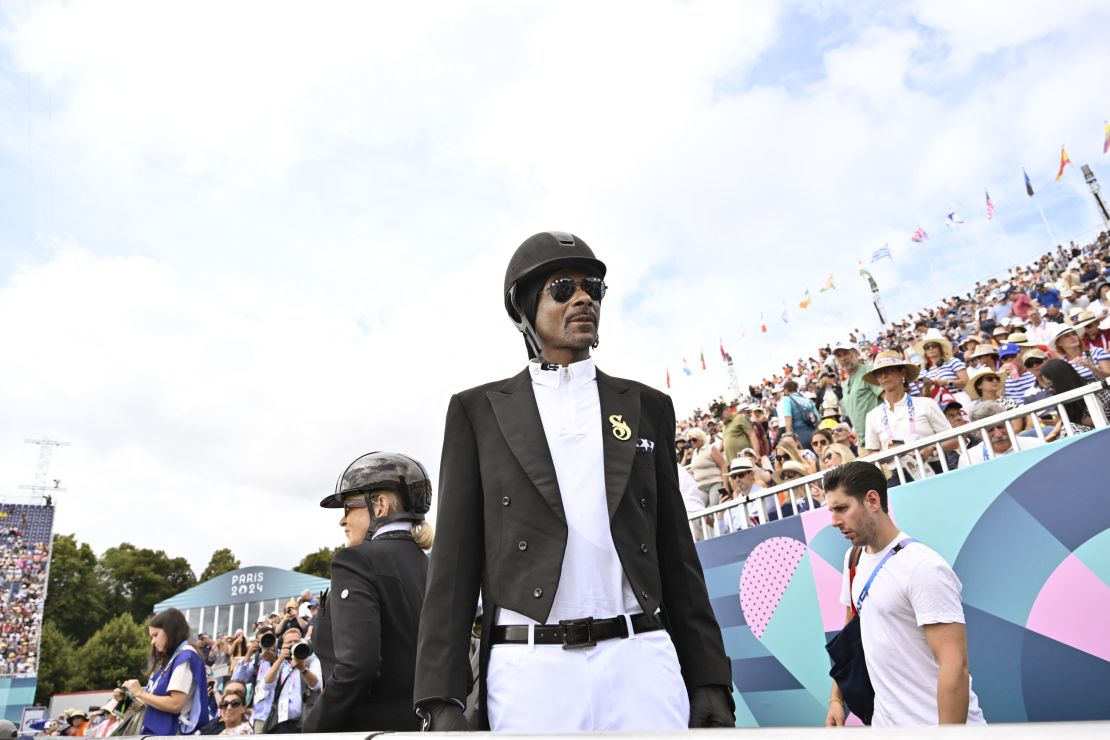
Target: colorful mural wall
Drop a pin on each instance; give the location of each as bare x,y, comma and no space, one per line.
1029,537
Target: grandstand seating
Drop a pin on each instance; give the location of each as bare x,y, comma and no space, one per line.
25,534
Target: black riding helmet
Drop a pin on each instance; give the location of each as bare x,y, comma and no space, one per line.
393,471
536,258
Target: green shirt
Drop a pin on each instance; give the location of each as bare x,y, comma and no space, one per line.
859,398
737,435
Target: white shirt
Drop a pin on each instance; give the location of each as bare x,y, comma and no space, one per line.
928,419
974,456
915,588
592,582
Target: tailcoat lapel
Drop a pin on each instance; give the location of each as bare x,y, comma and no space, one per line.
519,418
617,400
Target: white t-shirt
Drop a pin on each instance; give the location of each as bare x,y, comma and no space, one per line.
975,455
182,680
885,424
916,587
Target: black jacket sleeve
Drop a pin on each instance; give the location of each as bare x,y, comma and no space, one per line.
355,607
455,571
694,629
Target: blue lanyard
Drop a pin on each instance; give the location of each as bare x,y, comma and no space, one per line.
890,553
913,420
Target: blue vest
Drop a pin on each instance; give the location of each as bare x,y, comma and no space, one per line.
157,722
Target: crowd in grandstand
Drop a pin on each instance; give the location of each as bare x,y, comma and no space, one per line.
1040,331
24,555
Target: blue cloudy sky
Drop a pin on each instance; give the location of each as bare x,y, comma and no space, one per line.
243,243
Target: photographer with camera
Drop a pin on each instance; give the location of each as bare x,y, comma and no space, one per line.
290,686
367,629
261,654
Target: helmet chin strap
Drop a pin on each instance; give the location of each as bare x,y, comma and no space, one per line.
377,522
524,326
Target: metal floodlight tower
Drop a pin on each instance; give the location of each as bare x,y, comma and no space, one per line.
1089,176
43,486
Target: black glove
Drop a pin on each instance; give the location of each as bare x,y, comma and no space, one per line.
442,716
712,706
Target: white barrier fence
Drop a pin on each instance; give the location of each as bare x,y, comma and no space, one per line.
718,519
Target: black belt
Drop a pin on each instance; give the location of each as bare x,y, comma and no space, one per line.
574,633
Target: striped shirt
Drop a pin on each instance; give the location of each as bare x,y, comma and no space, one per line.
1095,355
1016,387
946,370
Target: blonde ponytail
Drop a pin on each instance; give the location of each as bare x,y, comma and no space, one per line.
423,534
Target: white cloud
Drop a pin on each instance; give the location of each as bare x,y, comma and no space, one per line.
273,239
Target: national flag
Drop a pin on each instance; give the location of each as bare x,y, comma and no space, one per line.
703,359
686,367
1028,185
878,254
762,323
724,355
785,317
668,377
806,302
864,273
919,235
1106,140
1064,161
954,219
829,284
990,205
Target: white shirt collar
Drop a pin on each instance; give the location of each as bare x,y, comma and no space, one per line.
392,527
574,375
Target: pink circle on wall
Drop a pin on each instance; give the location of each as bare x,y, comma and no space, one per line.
767,573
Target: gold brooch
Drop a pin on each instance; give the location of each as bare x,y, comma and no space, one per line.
621,429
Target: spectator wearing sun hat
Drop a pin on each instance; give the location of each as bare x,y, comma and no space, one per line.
985,355
1091,364
901,418
940,367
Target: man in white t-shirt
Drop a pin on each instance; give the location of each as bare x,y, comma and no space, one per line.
911,618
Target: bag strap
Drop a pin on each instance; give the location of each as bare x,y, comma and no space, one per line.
853,561
890,553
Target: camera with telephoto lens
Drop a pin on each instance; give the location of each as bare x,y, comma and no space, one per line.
267,641
301,650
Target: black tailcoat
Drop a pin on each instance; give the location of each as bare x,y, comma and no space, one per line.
366,637
498,488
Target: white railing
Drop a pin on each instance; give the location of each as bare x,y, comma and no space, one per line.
706,523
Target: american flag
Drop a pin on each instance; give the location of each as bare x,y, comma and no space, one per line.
919,235
990,205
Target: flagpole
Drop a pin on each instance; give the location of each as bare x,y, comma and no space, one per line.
1048,228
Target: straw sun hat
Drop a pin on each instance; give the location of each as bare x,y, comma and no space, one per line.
890,358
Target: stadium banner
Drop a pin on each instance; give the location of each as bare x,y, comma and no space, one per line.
26,532
1028,535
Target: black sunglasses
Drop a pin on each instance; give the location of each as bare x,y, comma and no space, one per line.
232,703
352,504
1035,362
563,289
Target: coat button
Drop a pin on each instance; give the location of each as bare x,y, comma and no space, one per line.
505,501
643,503
643,595
522,545
643,548
538,593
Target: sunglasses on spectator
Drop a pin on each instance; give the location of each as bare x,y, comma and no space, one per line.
562,289
932,345
1035,362
819,442
740,475
790,475
233,703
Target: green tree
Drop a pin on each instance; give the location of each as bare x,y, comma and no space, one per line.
318,563
74,596
222,561
118,651
136,579
57,662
